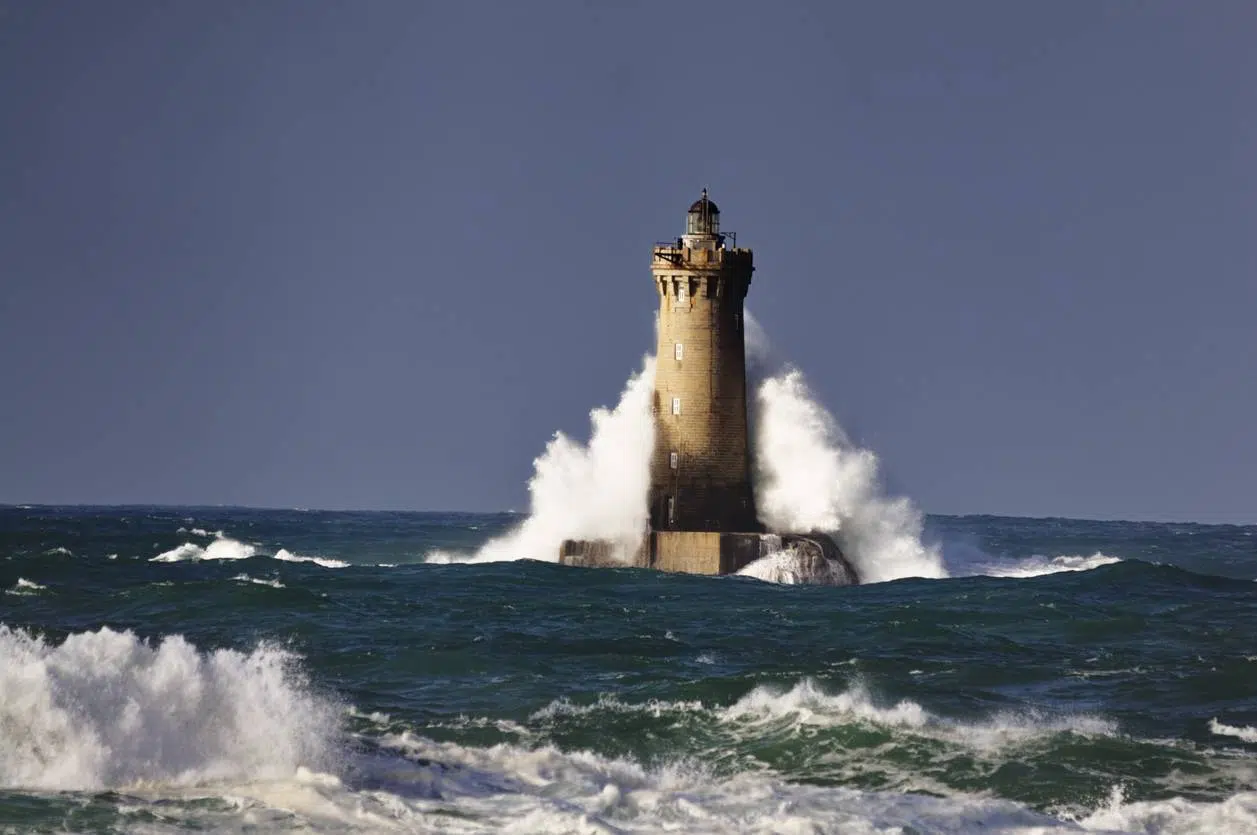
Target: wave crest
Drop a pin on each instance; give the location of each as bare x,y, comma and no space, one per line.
105,709
1247,734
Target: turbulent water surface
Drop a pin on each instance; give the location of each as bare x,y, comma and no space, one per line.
165,669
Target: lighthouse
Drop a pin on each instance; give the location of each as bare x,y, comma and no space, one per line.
700,472
701,500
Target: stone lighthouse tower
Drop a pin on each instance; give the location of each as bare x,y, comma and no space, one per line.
700,472
701,501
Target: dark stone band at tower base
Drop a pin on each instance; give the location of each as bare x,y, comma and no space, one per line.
701,500
816,556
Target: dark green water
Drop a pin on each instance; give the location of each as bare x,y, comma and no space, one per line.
241,686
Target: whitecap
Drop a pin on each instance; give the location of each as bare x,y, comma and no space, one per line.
222,548
1246,733
105,709
326,562
967,560
25,588
245,578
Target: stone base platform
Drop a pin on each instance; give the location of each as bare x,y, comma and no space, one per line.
709,552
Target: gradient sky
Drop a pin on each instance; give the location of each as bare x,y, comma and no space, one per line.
371,255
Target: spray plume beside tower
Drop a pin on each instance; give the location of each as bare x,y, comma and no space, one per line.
701,501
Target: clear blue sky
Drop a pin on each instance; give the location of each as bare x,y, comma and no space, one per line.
372,254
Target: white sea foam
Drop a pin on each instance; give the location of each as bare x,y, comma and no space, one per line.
168,724
60,550
105,709
511,788
809,476
789,567
507,788
1174,816
225,548
586,491
327,562
259,581
806,704
1038,566
25,588
200,532
1248,734
971,562
222,548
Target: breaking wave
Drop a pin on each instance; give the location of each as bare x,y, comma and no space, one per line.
259,581
226,548
283,555
543,789
809,477
1247,734
586,491
965,560
1037,566
106,709
222,548
25,588
774,710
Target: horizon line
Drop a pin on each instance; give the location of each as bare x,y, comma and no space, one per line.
514,512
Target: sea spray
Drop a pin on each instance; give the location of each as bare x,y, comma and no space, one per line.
588,491
809,476
106,709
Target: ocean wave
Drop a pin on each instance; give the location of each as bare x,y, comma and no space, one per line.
222,548
1248,734
106,709
808,477
245,578
1037,566
774,709
563,707
509,787
806,704
25,588
1174,816
327,562
226,548
200,532
969,561
170,724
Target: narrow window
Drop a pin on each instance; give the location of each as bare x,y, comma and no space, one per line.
676,405
737,321
672,510
673,460
679,350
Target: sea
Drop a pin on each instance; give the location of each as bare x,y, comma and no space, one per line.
165,669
